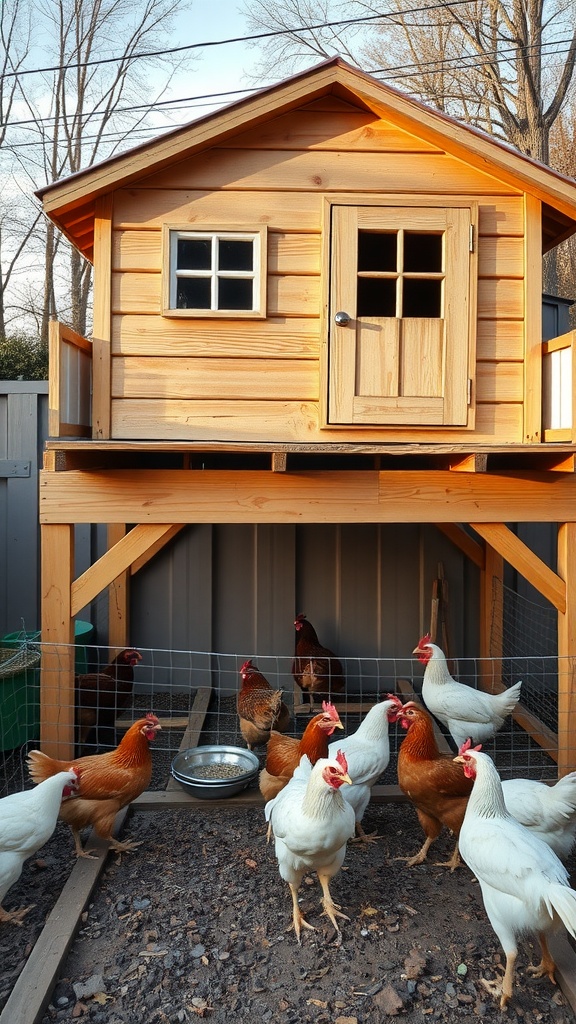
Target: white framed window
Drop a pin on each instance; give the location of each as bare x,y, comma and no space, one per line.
215,273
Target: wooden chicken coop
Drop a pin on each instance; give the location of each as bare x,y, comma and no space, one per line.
322,305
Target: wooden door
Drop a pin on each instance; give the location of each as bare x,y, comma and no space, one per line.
402,276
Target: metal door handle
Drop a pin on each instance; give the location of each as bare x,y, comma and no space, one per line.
342,319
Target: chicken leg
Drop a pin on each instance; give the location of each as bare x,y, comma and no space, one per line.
546,965
331,909
503,988
298,919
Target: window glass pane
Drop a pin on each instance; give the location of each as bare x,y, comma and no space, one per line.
235,255
234,293
193,293
422,298
422,253
194,254
376,297
376,250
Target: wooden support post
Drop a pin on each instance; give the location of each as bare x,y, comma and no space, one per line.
57,669
491,616
118,596
567,652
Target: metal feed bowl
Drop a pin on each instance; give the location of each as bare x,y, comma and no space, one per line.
216,771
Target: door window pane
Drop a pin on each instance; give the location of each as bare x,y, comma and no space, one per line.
376,296
377,250
422,298
422,253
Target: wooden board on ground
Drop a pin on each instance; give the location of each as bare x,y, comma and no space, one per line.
191,737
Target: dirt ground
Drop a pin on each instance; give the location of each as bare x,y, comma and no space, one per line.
195,924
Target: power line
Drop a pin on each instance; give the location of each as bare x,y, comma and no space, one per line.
236,39
435,66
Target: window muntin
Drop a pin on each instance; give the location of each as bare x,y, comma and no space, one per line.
215,273
400,274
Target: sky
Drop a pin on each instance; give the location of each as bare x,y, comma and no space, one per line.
218,68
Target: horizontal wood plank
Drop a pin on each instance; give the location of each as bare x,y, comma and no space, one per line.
500,382
340,130
501,257
500,298
287,253
182,496
287,296
288,380
286,422
500,340
273,338
325,172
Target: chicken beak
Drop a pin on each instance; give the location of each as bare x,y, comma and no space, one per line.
458,759
346,778
338,725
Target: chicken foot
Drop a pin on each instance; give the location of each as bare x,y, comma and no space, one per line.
503,988
546,965
331,909
298,919
15,916
364,837
419,857
115,846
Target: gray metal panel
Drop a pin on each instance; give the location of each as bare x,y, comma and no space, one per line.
23,427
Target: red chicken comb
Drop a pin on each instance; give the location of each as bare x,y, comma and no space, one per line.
467,745
150,717
342,761
329,709
247,664
395,698
426,639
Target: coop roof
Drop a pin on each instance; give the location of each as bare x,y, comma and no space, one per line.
71,202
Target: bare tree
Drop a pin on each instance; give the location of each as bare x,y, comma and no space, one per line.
506,66
102,58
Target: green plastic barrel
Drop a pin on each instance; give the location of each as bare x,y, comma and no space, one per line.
20,682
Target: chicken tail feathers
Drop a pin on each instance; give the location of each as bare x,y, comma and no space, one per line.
563,899
509,698
41,767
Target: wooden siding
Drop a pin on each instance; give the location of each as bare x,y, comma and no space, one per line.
263,380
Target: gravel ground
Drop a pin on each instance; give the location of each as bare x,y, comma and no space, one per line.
195,923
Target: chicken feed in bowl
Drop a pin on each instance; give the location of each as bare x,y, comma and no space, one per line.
215,771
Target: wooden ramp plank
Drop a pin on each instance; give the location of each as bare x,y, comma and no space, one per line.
191,737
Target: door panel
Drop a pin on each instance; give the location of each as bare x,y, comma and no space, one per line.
403,277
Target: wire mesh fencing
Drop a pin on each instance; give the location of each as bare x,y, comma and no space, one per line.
169,683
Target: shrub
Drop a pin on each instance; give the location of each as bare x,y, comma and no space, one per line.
23,357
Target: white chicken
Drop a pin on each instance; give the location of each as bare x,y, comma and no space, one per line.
467,713
524,885
312,823
367,752
27,820
548,811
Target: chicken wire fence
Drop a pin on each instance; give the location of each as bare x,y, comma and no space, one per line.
168,682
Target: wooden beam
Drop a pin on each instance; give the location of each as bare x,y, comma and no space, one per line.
57,666
469,464
114,562
153,550
312,496
567,651
118,596
102,316
279,460
551,586
491,612
464,542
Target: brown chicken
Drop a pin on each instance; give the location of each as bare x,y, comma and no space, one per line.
260,707
284,752
315,668
107,782
431,781
100,695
